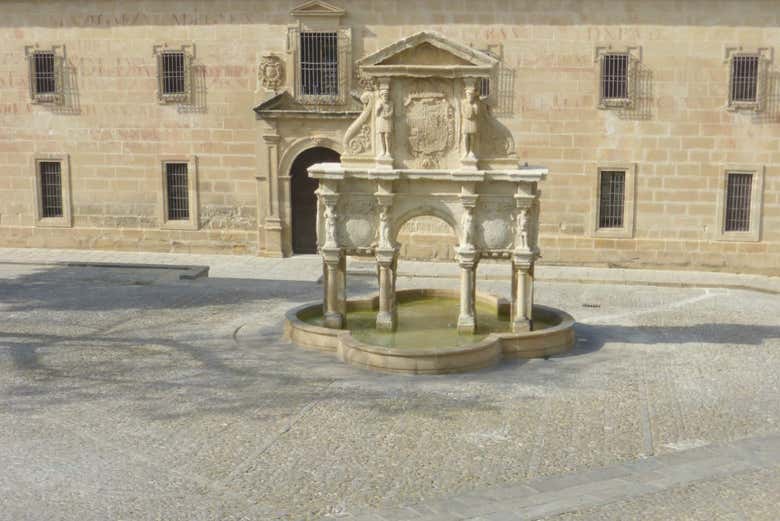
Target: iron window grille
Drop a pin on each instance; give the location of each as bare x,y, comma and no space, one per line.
484,87
177,192
46,68
319,64
174,74
614,80
744,84
322,65
50,173
738,199
612,195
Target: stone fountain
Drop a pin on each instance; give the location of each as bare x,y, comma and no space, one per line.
426,143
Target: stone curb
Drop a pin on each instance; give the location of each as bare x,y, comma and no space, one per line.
588,488
190,272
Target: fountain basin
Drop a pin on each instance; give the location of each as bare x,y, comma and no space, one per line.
430,351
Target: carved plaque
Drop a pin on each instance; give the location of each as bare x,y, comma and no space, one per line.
431,122
271,72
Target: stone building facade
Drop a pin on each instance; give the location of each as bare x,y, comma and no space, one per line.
188,125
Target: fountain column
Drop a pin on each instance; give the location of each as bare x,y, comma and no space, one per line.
523,263
467,319
333,261
387,260
468,257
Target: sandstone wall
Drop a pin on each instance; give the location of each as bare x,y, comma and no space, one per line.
679,134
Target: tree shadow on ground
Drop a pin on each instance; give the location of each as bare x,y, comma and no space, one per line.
592,337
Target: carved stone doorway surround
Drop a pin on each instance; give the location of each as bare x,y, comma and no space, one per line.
286,130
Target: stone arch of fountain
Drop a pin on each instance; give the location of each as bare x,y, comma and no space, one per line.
427,144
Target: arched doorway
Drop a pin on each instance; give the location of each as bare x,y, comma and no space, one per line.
304,200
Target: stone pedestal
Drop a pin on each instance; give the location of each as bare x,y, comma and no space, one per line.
387,317
522,295
468,163
334,283
467,319
273,237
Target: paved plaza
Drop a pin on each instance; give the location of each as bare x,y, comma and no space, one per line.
128,393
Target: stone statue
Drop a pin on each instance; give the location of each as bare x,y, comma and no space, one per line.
384,121
467,223
470,113
330,226
522,229
384,228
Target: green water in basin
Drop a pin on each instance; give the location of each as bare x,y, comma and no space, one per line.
426,322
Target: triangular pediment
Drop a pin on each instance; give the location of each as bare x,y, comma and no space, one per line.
317,8
284,106
428,48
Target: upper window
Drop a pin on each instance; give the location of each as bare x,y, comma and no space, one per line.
173,74
617,68
319,64
746,77
614,77
484,87
45,74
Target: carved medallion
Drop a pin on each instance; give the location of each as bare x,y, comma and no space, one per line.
431,122
271,72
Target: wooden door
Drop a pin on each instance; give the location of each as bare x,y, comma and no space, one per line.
304,200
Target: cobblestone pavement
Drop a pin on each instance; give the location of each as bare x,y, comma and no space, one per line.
126,393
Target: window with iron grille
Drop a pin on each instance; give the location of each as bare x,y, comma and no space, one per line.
44,74
744,78
484,87
172,72
738,198
50,173
177,191
319,64
614,77
612,194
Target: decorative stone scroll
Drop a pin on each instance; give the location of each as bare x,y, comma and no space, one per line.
358,139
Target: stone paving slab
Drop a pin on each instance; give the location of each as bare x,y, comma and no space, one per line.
133,395
581,490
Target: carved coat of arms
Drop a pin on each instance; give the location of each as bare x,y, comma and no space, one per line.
271,72
430,119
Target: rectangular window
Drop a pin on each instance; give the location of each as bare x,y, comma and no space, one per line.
172,72
177,190
484,87
50,173
612,191
744,78
44,73
319,64
614,76
738,199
